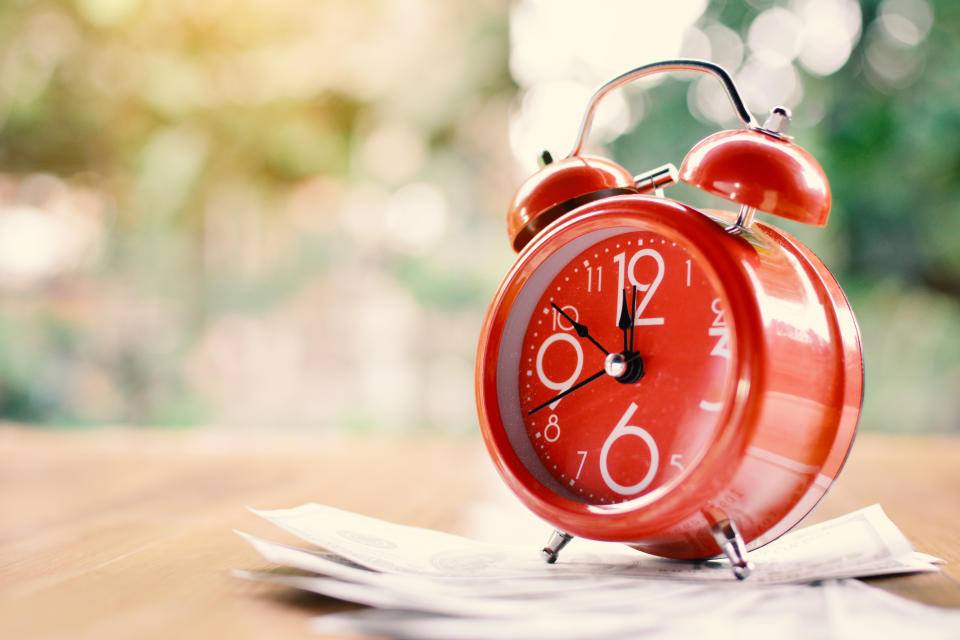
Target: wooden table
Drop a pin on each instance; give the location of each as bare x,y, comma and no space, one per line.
127,533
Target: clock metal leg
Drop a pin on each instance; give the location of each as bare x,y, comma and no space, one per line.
558,540
731,543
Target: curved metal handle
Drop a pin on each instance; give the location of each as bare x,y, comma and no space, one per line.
667,65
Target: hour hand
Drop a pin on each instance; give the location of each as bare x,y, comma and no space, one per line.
581,329
625,322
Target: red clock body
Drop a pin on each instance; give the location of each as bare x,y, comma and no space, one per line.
749,393
687,382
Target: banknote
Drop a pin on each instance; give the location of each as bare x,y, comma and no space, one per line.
427,584
864,542
832,609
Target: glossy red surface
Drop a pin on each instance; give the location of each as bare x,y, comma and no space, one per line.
790,401
758,170
558,188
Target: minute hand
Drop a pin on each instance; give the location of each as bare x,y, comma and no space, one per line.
583,382
568,391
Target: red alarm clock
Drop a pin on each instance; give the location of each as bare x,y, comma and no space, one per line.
686,382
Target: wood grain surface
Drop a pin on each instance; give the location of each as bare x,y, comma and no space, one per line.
128,533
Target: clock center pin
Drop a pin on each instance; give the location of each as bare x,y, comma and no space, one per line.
615,364
625,367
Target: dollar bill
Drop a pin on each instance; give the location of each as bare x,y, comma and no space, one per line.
429,584
858,544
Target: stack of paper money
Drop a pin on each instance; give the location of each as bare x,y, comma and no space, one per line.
429,584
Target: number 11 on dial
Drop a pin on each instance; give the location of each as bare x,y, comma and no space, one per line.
594,284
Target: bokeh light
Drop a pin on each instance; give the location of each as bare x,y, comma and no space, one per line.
289,213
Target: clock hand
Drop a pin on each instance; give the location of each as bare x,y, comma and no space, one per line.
625,322
619,365
568,391
581,329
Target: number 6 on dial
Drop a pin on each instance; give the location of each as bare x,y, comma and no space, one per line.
621,430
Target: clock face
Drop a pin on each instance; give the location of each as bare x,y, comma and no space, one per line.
617,359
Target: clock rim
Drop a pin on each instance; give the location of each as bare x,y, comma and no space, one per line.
641,517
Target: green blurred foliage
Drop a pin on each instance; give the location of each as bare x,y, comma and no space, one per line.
893,239
293,210
222,143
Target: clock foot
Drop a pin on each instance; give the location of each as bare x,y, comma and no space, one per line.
731,543
558,540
